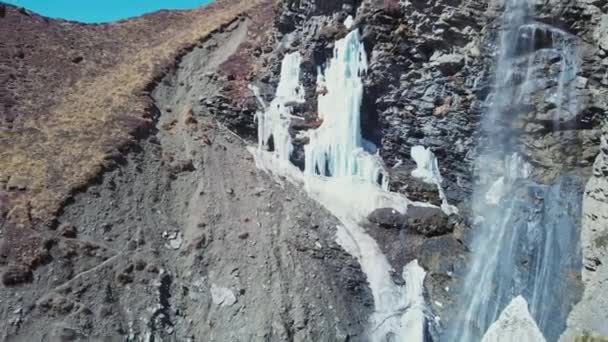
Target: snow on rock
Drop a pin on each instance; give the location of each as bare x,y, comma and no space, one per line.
515,324
413,320
348,23
427,169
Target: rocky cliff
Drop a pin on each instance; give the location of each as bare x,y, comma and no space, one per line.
429,82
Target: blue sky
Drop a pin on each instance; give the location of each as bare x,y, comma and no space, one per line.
95,11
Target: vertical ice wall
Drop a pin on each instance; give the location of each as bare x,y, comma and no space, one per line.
336,149
274,121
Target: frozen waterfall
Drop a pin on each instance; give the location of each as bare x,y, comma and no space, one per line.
336,149
344,174
274,121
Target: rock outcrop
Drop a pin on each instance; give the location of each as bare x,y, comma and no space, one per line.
515,324
589,315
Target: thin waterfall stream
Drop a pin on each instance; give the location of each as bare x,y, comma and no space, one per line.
525,241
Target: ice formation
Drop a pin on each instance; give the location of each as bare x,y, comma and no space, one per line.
427,169
344,174
336,148
274,121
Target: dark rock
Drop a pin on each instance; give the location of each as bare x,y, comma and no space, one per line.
65,334
388,218
67,230
180,166
140,265
428,221
123,278
397,278
17,275
330,33
441,254
416,189
57,303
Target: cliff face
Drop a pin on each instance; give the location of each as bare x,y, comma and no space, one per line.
130,207
430,82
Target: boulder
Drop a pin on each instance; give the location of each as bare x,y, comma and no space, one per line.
17,275
388,218
514,324
222,296
449,64
416,189
428,221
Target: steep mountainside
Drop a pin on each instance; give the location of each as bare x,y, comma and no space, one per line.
181,238
135,203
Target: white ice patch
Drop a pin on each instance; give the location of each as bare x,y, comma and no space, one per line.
515,324
412,322
427,169
348,23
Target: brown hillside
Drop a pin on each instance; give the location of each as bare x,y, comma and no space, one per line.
72,95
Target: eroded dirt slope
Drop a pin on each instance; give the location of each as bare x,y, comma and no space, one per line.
187,240
74,95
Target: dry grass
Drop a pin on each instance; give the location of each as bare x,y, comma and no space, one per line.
95,111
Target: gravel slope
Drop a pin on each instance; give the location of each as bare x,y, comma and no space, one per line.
187,240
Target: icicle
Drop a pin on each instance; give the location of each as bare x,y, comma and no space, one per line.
274,121
336,148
